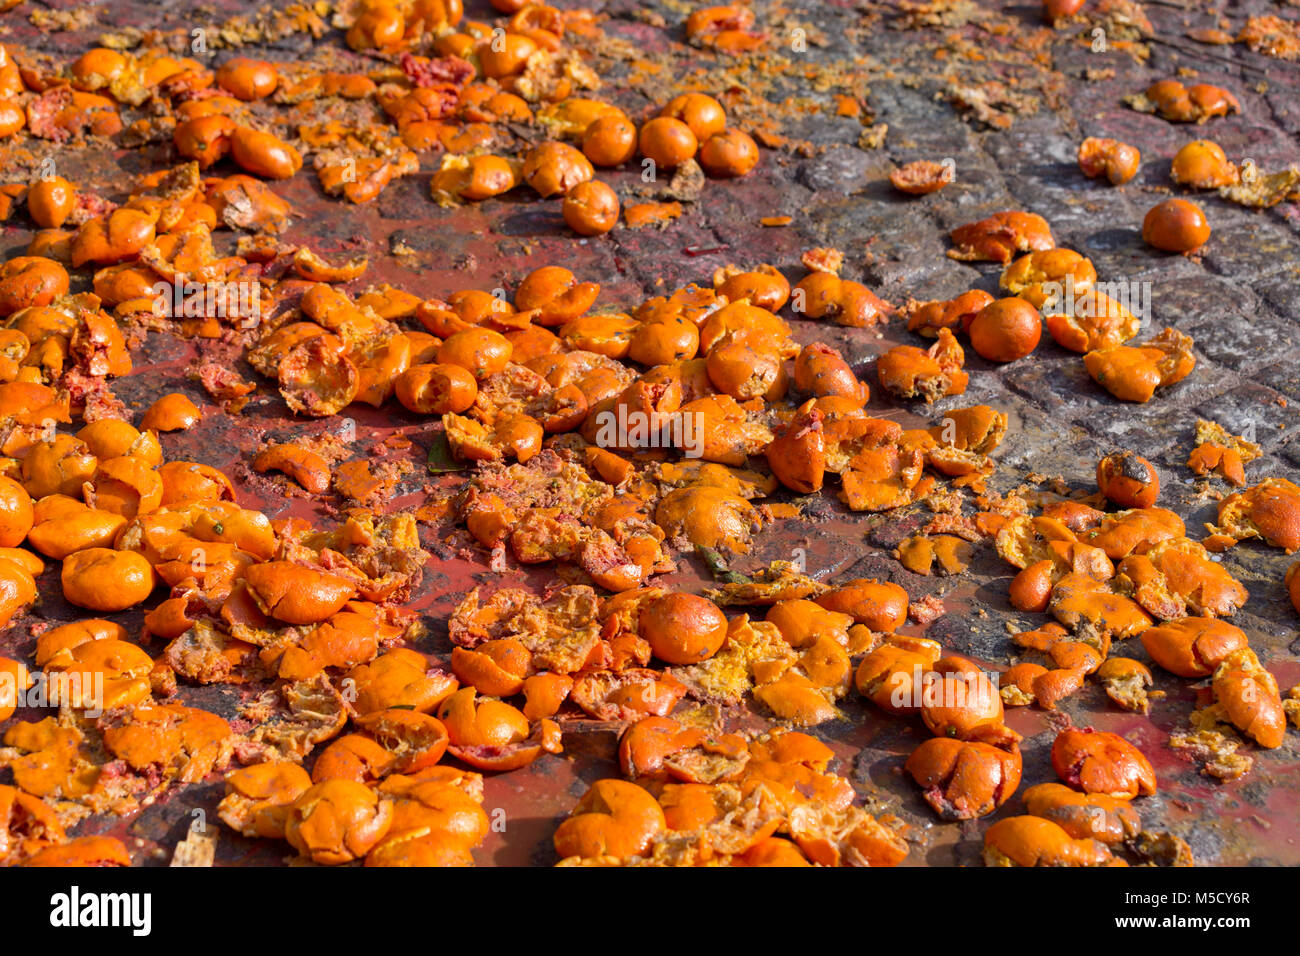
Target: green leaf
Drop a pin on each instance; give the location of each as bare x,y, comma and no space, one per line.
718,567
441,460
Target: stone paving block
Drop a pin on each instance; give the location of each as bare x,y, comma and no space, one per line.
1237,339
1251,409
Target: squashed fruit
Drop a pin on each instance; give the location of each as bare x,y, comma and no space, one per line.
588,448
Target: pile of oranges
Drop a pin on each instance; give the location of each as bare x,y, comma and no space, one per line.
610,445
